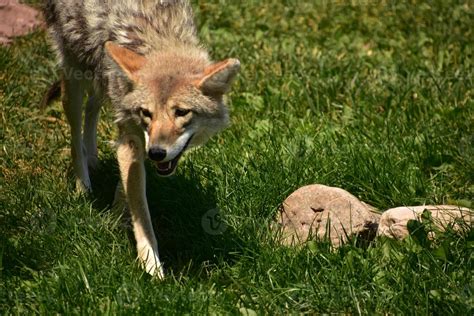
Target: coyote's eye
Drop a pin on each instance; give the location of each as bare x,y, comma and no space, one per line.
181,112
146,113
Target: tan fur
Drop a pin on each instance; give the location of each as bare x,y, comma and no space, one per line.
145,59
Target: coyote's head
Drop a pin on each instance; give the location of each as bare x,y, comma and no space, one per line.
176,97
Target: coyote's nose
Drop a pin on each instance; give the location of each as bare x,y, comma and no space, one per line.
156,153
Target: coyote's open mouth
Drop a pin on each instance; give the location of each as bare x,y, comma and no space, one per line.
167,168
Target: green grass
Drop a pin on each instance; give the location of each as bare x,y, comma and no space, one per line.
375,97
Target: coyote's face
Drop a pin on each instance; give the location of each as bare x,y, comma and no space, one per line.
178,101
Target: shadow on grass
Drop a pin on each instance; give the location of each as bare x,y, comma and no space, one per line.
185,216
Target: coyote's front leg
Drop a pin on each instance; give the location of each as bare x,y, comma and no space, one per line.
130,154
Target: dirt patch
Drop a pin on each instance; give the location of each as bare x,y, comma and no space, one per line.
16,20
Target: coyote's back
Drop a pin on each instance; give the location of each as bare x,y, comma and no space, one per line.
79,28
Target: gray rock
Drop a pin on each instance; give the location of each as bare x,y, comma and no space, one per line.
393,222
319,211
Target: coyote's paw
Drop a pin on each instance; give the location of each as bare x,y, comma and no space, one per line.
150,262
83,187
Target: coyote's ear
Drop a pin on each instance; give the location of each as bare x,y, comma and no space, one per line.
218,77
129,61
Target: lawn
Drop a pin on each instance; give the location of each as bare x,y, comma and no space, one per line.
375,97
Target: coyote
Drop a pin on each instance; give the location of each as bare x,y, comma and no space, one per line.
145,59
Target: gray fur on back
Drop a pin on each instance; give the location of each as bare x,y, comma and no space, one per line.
79,30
